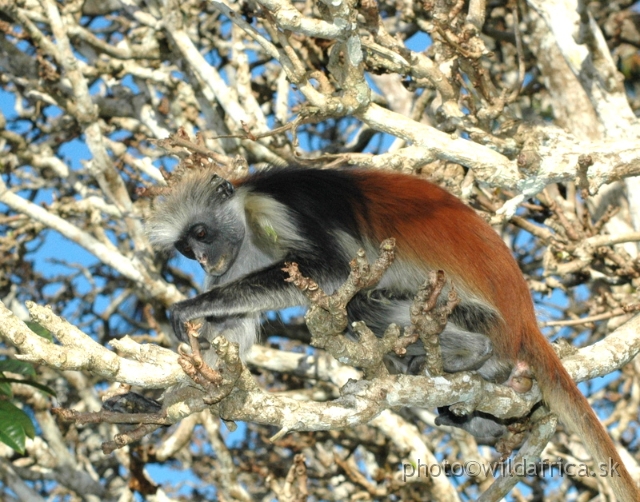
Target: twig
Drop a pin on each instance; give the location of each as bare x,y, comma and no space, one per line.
600,317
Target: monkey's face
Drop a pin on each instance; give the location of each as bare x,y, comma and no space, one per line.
213,242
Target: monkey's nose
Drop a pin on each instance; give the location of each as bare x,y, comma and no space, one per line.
204,263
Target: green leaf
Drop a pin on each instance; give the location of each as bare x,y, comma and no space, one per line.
15,366
5,387
13,436
43,388
15,426
39,330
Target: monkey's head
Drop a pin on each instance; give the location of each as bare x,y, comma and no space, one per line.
200,217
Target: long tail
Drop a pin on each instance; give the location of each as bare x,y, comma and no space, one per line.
565,399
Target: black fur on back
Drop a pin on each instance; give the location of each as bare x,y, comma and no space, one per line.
323,202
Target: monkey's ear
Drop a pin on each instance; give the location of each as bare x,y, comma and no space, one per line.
225,188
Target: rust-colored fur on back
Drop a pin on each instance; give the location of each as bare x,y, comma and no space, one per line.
433,228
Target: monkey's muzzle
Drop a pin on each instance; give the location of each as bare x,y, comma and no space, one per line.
217,268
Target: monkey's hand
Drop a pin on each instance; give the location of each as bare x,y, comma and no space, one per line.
179,315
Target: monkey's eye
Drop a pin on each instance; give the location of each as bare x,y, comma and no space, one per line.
199,233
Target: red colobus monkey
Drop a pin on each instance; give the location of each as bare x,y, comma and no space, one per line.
243,233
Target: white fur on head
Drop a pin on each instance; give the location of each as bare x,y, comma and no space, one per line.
175,211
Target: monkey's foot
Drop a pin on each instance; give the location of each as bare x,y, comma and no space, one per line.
521,378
